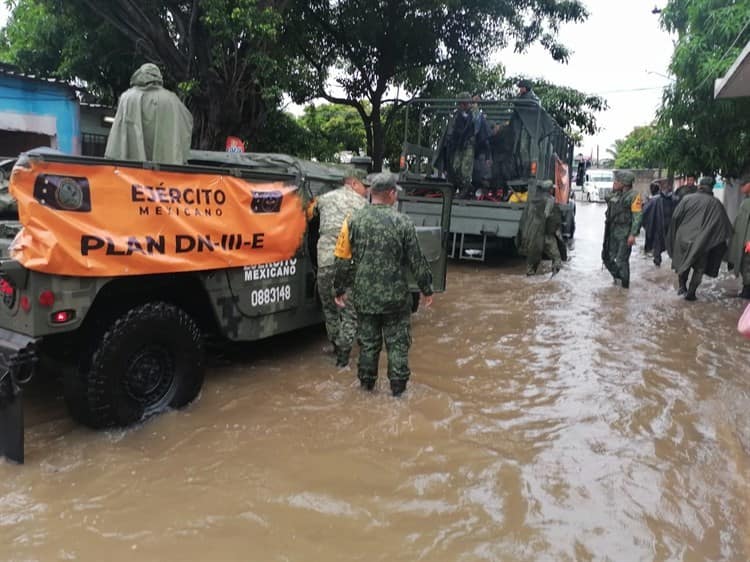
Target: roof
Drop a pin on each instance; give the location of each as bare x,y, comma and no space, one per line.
14,72
736,82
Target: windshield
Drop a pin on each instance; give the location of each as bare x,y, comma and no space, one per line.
601,178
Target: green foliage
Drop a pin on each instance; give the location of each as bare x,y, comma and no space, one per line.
332,129
282,133
696,131
224,56
638,149
370,48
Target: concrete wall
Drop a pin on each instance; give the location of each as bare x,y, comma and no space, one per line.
30,105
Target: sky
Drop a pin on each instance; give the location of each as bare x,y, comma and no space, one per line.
619,53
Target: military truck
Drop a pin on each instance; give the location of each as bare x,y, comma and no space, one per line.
529,147
120,271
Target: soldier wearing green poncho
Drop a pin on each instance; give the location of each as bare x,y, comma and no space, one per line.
698,236
151,123
739,247
622,224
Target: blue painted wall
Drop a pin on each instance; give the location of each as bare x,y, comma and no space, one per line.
18,95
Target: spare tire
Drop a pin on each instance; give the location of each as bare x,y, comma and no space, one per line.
150,359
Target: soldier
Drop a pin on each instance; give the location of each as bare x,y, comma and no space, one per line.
657,214
622,224
540,230
460,146
333,208
687,188
375,250
698,237
525,91
151,122
739,248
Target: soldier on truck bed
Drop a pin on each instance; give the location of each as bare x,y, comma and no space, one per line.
460,146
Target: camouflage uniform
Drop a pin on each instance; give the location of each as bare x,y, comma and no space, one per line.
623,219
553,226
460,137
544,221
381,246
341,324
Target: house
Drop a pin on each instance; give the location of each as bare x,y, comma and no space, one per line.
735,84
38,112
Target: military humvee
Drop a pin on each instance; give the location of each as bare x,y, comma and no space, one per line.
124,319
528,147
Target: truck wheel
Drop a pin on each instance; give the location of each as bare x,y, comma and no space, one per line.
148,360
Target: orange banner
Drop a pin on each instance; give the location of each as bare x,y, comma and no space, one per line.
562,181
102,220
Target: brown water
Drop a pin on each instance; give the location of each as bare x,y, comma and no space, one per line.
547,419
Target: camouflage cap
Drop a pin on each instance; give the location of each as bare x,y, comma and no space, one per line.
625,177
707,181
384,181
357,173
547,185
464,96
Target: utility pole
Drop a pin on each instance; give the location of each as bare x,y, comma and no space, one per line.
597,155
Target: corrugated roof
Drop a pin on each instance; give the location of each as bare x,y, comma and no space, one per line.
13,71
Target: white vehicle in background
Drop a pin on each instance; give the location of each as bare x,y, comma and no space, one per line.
597,184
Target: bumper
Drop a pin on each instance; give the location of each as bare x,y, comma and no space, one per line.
17,360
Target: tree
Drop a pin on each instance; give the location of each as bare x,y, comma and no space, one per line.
223,55
696,131
638,149
369,48
332,129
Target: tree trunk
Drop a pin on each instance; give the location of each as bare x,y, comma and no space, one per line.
378,139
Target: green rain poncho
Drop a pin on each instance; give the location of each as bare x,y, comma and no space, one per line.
700,225
151,122
741,236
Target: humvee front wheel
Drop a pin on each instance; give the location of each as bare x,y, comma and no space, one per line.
149,360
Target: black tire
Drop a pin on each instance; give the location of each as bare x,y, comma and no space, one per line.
150,359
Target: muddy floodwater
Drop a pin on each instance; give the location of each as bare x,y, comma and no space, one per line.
547,419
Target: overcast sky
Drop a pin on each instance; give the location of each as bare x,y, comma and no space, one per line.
613,51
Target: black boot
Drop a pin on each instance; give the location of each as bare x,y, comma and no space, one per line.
682,279
367,384
690,296
342,357
745,294
398,387
626,283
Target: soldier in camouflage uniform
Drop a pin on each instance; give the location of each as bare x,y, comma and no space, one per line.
622,224
333,208
460,146
376,248
552,227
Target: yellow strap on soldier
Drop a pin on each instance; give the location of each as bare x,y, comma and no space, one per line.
310,211
343,248
636,206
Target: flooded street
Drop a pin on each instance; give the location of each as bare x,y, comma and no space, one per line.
547,419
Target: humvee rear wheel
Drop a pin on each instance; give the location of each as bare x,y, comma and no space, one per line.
149,360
